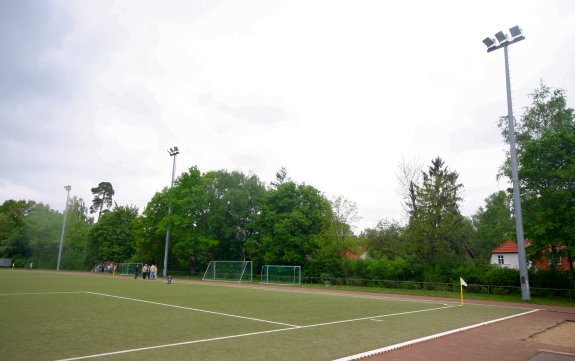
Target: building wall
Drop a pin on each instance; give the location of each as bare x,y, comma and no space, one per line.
510,260
544,264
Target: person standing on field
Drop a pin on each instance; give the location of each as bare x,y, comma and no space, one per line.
145,271
30,267
136,271
152,272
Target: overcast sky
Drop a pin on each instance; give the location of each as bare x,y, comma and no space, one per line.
338,92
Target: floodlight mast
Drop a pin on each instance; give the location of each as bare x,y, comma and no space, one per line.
67,188
173,152
503,41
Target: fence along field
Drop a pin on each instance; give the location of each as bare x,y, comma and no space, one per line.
60,316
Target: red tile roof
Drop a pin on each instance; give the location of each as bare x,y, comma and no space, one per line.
509,247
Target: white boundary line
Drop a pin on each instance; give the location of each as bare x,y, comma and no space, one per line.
320,293
427,338
193,309
378,316
40,293
174,344
236,336
381,296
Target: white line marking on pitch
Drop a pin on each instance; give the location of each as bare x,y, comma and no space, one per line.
174,344
194,309
437,335
332,293
234,336
40,293
378,316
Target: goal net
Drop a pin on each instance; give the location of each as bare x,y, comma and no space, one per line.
128,268
284,275
230,271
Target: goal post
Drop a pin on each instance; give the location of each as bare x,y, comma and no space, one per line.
128,268
229,271
281,275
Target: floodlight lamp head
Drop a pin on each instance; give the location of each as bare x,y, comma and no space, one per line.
489,42
501,37
515,31
173,151
67,188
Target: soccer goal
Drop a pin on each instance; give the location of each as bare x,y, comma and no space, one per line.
128,268
230,271
281,275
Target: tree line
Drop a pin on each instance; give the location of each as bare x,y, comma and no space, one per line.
223,215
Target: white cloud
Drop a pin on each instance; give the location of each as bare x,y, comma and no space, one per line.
338,92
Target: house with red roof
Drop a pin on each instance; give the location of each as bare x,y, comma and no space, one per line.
507,256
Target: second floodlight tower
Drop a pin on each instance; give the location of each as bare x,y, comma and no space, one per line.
502,40
173,153
67,188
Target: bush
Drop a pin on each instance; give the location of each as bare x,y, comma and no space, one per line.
410,285
550,279
500,277
500,291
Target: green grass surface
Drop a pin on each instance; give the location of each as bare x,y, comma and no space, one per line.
455,295
55,316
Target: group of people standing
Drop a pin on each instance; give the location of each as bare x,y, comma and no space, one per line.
150,272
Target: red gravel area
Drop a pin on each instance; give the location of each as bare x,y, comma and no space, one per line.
548,334
545,335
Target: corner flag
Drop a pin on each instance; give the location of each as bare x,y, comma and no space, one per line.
461,284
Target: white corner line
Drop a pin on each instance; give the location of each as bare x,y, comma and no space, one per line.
231,336
194,309
41,293
174,344
376,317
427,338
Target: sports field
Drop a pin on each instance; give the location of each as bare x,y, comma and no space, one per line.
64,316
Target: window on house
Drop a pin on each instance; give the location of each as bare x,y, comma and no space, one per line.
555,261
500,259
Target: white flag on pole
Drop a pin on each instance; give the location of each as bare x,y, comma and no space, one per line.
462,282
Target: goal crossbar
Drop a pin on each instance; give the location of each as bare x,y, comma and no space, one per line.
281,275
229,271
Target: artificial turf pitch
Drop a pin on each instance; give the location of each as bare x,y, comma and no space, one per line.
46,315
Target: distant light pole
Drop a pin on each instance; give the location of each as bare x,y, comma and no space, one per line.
503,41
173,153
67,188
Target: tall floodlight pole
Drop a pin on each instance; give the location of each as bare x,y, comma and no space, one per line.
503,41
67,188
173,153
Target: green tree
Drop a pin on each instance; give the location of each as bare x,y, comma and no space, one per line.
112,238
234,201
192,241
43,230
339,241
150,229
386,240
29,231
546,158
292,219
78,227
103,194
13,244
436,226
492,224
